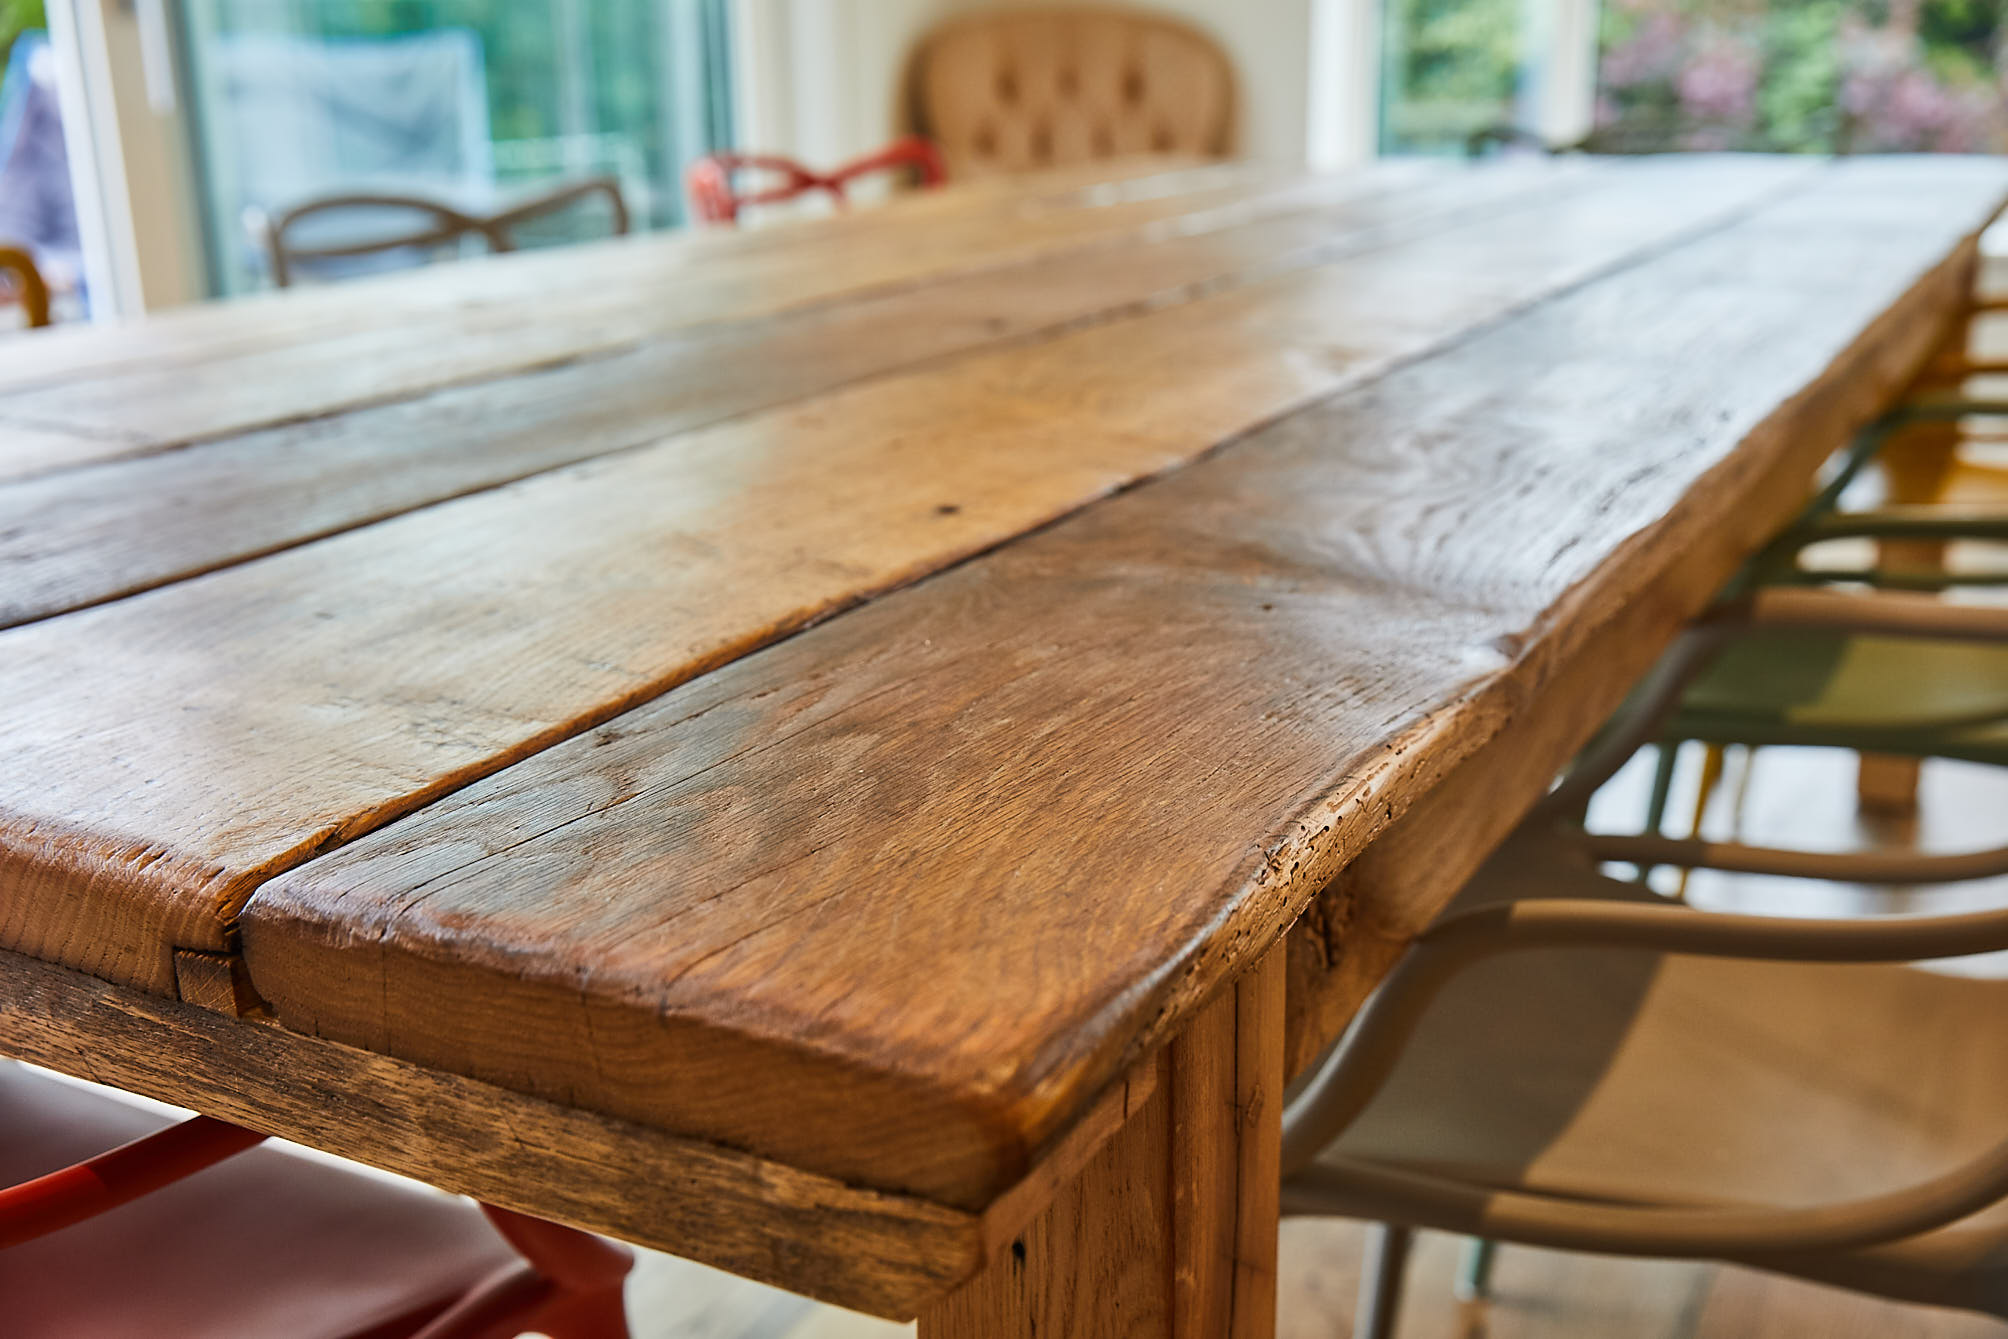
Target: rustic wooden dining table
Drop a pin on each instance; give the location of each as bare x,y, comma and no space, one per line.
864,752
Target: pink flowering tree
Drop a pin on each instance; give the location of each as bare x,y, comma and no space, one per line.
1815,75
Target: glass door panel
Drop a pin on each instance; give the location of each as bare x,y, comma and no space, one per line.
1453,69
473,103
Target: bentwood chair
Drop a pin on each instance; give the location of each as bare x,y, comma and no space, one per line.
716,196
23,284
119,1223
1567,1060
1910,697
1020,89
366,224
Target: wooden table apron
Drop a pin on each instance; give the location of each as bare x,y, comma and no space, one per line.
864,753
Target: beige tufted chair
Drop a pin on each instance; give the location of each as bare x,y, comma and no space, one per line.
1015,90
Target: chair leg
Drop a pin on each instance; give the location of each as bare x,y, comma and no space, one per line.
1662,785
1662,791
1474,1271
1712,758
1886,785
1381,1280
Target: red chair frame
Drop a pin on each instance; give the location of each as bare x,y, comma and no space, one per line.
714,200
568,1282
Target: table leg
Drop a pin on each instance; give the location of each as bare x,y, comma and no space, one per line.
1917,464
1170,1231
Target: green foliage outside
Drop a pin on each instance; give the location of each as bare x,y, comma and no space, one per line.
1778,75
17,17
1804,75
1450,68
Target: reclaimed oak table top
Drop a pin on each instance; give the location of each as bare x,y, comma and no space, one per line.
813,748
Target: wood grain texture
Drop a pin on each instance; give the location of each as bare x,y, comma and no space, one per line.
1096,1263
165,754
1170,1231
884,1254
28,449
1226,1150
83,536
208,370
585,302
197,333
874,871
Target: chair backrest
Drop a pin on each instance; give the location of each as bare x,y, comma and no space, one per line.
342,228
1016,90
25,285
717,197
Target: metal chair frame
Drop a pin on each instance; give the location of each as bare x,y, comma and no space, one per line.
1779,565
1656,701
713,199
449,224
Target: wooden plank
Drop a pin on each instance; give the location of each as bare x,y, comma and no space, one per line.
885,1254
875,868
32,448
1226,1139
1096,1264
197,333
165,754
84,536
610,297
216,981
1170,1231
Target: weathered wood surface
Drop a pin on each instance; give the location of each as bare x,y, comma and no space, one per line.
83,536
891,902
507,314
246,720
867,864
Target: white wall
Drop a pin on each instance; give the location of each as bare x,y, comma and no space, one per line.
819,79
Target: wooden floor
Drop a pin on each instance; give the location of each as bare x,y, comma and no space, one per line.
1790,796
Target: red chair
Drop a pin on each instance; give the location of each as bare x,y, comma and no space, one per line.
714,199
186,1230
